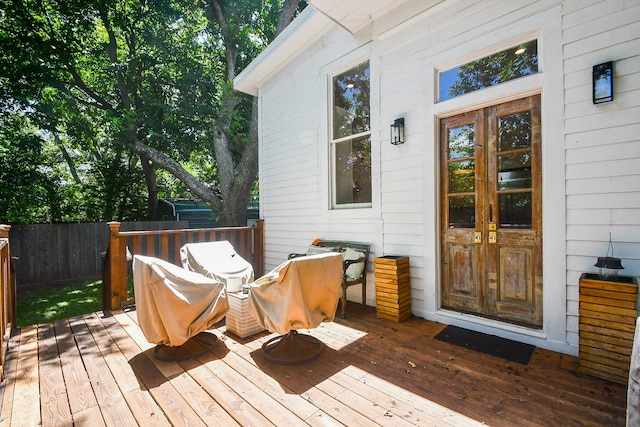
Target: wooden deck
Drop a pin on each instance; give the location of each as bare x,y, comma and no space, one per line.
98,370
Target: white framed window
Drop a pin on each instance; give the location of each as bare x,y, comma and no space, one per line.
350,131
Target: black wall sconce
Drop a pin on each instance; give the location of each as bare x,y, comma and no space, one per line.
397,131
603,82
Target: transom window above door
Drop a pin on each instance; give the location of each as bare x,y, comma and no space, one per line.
351,138
509,64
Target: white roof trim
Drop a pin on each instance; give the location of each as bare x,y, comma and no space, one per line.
312,23
354,15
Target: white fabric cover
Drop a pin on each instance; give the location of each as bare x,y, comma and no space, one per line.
299,294
217,260
633,391
315,250
174,304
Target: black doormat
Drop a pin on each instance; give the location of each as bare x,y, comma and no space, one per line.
488,344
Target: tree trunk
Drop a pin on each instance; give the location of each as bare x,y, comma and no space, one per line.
67,158
150,178
236,181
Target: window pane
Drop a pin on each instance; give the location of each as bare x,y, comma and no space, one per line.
353,171
515,210
514,131
351,102
462,177
514,171
498,68
462,211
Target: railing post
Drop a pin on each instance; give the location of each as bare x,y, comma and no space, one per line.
10,292
258,242
115,280
7,295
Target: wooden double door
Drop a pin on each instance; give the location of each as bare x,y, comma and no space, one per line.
491,218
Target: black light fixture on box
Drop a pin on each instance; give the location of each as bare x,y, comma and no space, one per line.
608,266
397,131
602,82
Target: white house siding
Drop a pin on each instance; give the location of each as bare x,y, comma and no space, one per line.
601,141
590,153
448,35
294,163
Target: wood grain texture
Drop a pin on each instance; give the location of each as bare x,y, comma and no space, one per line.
372,372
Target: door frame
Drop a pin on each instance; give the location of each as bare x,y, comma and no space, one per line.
559,332
475,284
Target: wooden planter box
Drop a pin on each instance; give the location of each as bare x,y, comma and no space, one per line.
393,289
608,312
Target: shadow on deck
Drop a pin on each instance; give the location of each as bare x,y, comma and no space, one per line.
99,370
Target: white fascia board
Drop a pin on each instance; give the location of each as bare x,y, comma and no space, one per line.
355,15
301,32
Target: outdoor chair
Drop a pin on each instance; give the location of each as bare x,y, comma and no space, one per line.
218,260
301,293
176,306
355,257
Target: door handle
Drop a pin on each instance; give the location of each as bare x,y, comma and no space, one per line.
493,237
477,237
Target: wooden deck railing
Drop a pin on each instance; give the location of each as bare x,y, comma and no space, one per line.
7,294
247,241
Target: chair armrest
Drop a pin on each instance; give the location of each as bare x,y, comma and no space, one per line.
292,256
346,263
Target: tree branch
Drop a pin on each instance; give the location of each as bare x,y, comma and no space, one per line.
78,83
230,48
112,52
176,169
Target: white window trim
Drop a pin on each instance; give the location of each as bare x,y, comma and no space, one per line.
360,210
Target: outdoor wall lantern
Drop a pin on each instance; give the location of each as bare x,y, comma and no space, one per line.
608,266
397,131
602,79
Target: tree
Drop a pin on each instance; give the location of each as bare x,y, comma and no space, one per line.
146,77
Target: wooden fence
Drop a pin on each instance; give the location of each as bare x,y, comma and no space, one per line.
7,294
61,254
247,241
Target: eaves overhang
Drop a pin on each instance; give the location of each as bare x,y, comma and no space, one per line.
319,16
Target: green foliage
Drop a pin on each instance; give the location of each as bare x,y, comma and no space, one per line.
98,78
29,189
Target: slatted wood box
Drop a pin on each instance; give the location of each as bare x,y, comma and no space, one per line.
239,321
393,287
608,312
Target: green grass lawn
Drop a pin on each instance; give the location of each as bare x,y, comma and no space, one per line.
54,303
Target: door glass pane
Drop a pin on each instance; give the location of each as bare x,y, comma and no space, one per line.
353,171
514,131
462,141
515,210
462,177
514,171
462,211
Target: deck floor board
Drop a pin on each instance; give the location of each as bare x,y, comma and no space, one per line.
98,369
